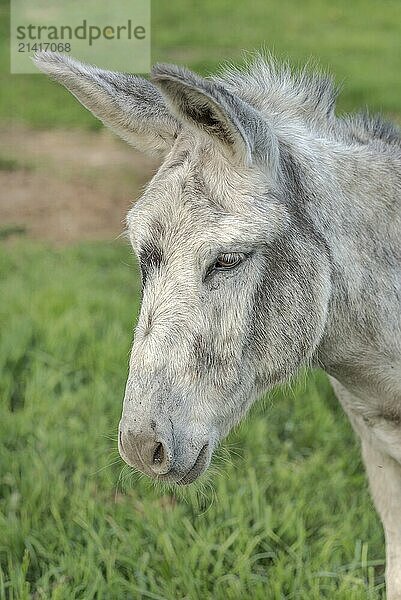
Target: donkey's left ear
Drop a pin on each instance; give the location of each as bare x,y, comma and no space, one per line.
210,107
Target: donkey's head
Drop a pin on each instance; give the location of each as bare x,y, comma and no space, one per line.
235,280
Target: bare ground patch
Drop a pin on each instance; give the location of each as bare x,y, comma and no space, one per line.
67,185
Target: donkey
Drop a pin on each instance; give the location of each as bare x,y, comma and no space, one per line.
268,240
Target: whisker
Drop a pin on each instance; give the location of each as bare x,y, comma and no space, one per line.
115,462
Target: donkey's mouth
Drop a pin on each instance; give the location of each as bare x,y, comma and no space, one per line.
197,468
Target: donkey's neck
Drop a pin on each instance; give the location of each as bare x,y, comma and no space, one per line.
355,205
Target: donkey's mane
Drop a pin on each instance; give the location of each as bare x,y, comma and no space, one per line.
307,95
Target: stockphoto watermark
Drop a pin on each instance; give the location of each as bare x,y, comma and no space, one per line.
34,34
115,36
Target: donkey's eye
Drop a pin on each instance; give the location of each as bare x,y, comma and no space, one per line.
227,261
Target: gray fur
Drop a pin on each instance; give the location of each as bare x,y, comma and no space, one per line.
259,167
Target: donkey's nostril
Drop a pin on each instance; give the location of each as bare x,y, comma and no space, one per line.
143,451
158,455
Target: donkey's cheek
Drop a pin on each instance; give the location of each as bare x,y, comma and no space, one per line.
288,312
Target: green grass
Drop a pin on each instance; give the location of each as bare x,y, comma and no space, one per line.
288,516
358,40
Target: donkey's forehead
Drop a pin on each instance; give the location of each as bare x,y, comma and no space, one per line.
197,193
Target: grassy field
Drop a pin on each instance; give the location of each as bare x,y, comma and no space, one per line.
285,513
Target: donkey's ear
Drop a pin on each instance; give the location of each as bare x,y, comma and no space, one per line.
211,107
133,107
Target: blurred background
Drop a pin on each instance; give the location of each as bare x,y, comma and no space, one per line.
286,513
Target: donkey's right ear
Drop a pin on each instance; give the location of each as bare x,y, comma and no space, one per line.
131,106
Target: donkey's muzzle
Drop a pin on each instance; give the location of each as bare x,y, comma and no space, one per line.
172,456
148,453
